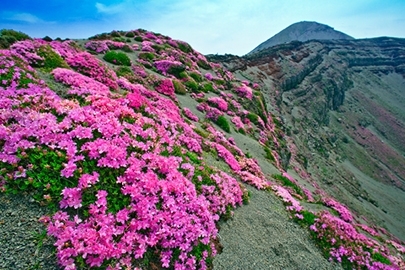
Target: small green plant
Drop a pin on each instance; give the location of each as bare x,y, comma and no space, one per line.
203,64
223,123
287,182
124,71
269,154
207,87
130,34
197,77
179,87
117,58
254,118
52,60
147,56
184,47
192,85
138,38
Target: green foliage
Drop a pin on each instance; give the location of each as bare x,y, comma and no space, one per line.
130,34
124,71
127,48
52,60
117,58
176,70
184,47
179,87
308,220
192,85
9,36
147,56
242,131
253,118
376,256
203,64
245,196
223,123
201,132
43,177
197,77
208,87
193,157
138,38
287,183
47,38
269,154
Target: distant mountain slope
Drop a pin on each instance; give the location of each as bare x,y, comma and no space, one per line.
302,31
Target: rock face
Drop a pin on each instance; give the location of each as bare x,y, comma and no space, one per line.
302,31
342,102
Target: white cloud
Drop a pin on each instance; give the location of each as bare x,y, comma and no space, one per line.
23,17
111,9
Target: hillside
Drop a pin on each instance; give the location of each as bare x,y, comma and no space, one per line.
302,31
143,154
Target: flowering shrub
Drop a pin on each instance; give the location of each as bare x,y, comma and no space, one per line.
86,64
342,210
190,115
169,67
166,87
219,103
244,91
15,72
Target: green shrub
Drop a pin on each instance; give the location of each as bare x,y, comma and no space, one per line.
197,77
130,34
123,71
119,39
147,56
52,60
127,48
47,38
184,47
138,38
9,37
253,118
223,123
179,87
117,58
208,87
192,85
203,64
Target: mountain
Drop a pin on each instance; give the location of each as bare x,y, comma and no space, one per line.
142,153
302,31
341,102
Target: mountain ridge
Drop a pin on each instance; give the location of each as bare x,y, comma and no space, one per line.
302,31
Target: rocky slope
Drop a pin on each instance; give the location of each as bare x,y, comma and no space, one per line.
302,31
142,152
342,104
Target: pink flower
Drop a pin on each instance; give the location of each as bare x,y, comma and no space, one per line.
72,197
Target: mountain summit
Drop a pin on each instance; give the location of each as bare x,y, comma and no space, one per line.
302,31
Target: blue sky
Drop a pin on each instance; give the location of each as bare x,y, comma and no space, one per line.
210,26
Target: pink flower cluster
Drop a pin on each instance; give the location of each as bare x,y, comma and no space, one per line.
227,156
164,65
190,115
244,91
90,66
102,46
238,122
80,84
344,213
348,243
292,204
166,87
219,103
228,194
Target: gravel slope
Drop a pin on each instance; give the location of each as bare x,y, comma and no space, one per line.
261,236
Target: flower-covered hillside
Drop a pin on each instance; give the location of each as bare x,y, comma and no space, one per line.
94,130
